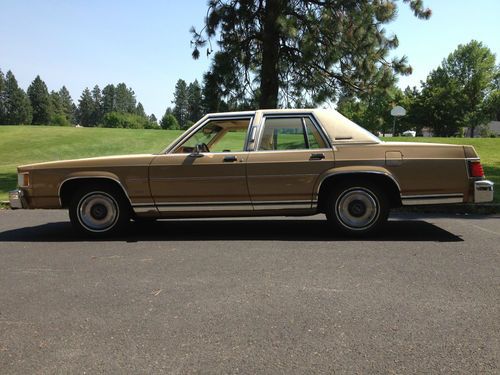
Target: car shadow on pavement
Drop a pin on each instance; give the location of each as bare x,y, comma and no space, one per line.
234,230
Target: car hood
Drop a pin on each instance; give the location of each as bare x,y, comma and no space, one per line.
103,161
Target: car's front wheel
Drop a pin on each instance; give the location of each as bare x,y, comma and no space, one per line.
99,210
357,209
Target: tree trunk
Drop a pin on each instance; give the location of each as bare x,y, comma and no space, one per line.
269,80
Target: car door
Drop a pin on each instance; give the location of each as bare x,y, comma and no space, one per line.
206,171
289,156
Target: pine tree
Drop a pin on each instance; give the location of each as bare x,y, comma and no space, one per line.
98,115
194,101
181,103
56,103
140,110
283,48
86,109
58,115
211,98
153,119
17,108
124,99
108,99
2,98
40,102
67,104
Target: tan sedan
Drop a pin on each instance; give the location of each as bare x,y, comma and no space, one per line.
258,163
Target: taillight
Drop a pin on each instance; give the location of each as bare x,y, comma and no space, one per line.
476,169
23,179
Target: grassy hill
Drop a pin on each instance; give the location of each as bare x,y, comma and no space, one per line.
29,144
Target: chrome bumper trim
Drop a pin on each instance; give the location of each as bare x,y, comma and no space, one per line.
483,191
16,199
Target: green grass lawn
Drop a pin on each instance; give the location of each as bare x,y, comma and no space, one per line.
29,144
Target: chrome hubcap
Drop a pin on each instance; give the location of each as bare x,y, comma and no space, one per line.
98,211
357,208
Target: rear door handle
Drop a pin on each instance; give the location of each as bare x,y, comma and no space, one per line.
317,157
230,159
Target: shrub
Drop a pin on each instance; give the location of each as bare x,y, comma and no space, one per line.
59,120
169,122
127,120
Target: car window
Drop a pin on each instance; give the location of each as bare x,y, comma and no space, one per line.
313,135
218,136
233,140
283,134
288,134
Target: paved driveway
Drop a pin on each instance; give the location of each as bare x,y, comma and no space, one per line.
250,296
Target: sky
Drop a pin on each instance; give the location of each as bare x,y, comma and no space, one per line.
81,43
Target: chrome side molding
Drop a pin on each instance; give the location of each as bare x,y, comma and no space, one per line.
410,200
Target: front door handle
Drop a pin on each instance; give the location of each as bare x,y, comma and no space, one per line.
230,159
317,157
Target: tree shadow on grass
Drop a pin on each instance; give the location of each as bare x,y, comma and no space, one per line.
493,173
234,230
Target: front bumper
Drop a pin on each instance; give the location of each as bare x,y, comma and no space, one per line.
16,199
483,191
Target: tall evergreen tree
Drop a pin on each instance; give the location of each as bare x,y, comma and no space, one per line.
98,106
108,99
2,99
40,102
17,108
56,103
194,101
181,103
324,48
67,104
140,110
58,115
124,99
86,109
211,95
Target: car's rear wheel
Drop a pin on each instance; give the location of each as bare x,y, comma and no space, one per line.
357,209
99,210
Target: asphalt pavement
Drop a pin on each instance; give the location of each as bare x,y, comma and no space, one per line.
250,296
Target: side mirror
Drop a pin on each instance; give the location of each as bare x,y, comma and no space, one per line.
196,153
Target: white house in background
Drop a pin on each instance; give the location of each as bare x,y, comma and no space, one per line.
409,133
493,128
427,132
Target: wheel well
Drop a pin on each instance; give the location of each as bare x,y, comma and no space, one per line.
69,187
386,184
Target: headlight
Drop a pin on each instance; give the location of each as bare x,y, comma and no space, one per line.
23,179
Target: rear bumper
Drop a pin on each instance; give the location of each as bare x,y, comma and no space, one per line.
16,199
483,191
